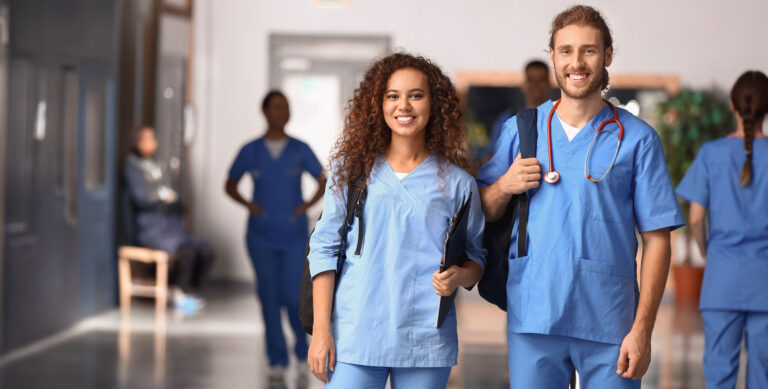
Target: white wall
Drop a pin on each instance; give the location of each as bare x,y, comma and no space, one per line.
705,42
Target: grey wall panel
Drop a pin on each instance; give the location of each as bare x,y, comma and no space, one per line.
76,28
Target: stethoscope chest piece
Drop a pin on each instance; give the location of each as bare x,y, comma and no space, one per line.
551,177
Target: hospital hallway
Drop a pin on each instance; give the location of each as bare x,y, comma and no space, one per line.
223,347
179,151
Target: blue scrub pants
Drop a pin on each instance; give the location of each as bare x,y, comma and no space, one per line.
349,376
547,361
278,280
723,332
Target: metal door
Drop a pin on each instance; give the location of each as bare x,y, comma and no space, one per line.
96,182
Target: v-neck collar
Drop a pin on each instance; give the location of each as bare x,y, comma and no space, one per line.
563,125
567,148
389,174
282,153
409,174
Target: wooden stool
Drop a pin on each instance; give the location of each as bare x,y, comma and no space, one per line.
128,288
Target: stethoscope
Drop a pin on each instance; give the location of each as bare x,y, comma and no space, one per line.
552,176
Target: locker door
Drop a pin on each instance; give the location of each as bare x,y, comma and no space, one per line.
96,135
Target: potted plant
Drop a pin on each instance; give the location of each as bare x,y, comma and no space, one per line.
686,121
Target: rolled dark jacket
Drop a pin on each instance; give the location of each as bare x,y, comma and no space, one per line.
157,224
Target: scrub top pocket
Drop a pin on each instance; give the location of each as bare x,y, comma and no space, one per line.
603,290
610,199
518,281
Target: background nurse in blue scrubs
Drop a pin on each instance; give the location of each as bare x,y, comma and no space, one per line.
277,225
729,177
573,301
404,138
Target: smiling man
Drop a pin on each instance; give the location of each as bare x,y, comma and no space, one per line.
573,301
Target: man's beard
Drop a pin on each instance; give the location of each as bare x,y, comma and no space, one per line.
595,85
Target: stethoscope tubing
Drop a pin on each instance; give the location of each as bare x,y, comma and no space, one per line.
552,176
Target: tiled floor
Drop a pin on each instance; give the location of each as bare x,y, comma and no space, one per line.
223,348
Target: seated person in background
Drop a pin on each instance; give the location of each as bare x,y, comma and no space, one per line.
158,224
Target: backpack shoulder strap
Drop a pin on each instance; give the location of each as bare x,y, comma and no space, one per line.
528,136
527,132
356,195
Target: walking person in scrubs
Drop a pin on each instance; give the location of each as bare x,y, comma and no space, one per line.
403,137
729,178
573,300
277,224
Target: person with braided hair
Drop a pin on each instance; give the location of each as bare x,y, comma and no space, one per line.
729,178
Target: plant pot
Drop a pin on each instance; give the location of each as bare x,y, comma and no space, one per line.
687,283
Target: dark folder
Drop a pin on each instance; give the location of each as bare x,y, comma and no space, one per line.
455,245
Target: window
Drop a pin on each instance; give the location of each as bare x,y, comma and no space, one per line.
95,133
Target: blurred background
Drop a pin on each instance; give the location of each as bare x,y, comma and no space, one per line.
77,77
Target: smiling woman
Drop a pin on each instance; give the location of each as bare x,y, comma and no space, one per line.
367,118
404,143
406,103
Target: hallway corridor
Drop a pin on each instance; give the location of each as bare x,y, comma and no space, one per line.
223,348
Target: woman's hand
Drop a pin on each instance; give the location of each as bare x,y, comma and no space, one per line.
322,353
255,209
465,275
300,210
447,282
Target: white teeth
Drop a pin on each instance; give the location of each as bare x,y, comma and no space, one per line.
577,76
404,119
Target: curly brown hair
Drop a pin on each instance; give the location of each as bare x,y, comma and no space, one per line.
366,134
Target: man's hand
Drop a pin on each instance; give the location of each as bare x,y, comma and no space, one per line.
634,355
523,174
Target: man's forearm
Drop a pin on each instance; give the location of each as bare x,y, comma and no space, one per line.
653,277
494,202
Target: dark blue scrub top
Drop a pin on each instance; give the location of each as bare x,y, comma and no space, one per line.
277,189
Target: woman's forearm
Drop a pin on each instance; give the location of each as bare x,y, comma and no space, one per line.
697,216
322,300
471,273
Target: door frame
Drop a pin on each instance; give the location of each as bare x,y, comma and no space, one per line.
4,39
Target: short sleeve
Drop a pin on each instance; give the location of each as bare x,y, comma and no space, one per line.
240,165
694,187
475,229
325,240
507,147
309,162
655,204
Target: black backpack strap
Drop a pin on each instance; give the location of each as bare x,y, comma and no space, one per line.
356,194
528,136
358,212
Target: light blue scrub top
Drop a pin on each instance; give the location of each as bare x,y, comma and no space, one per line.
736,275
579,277
385,311
277,189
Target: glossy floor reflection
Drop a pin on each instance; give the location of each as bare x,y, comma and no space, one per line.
223,348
